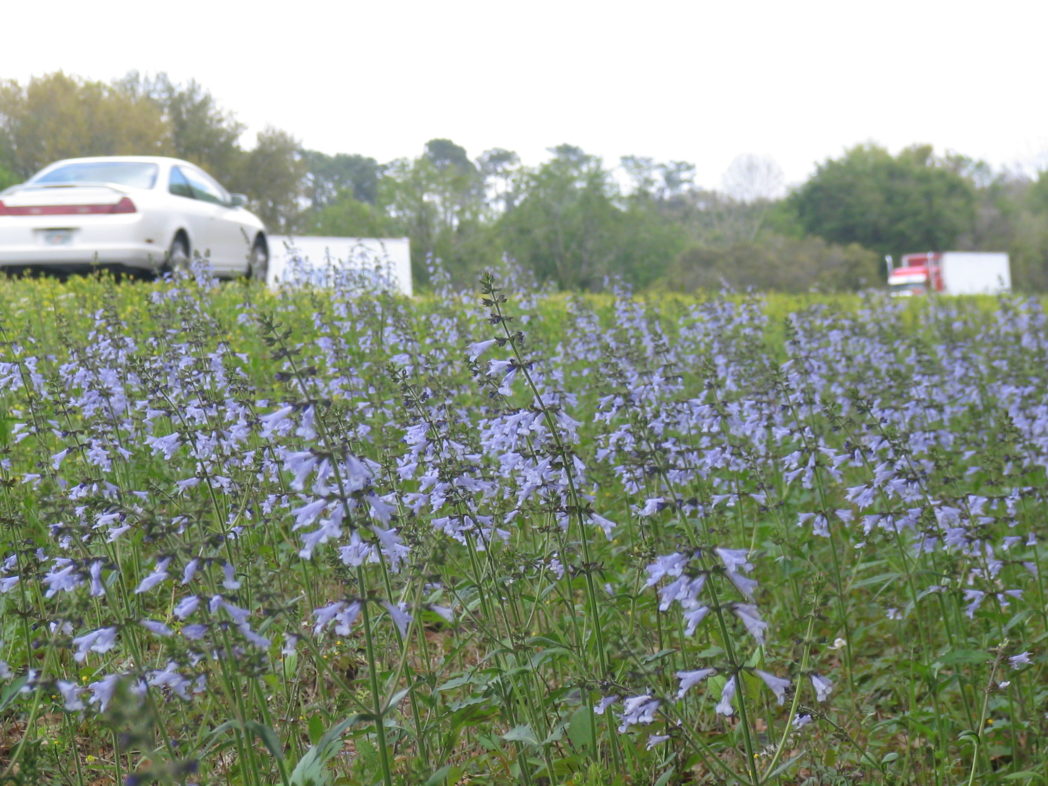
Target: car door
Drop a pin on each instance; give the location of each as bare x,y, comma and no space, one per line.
195,214
221,236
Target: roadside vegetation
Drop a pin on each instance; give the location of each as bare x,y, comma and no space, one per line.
510,535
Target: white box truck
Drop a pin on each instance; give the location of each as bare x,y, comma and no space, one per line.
951,273
384,263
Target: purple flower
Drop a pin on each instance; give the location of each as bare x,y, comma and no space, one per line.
229,582
1020,660
976,598
607,526
478,348
101,640
689,679
734,559
751,618
271,421
822,687
655,739
800,721
693,616
778,685
400,617
667,565
638,710
194,632
724,705
153,626
169,677
186,606
70,695
158,575
64,577
254,638
102,691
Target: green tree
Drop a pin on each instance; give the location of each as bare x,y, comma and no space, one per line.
1025,206
564,228
7,177
58,116
573,228
500,172
349,217
437,200
331,178
913,201
272,174
200,130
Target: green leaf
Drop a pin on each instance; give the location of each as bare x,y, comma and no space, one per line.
456,682
881,578
709,652
269,739
310,770
556,735
395,699
522,733
550,653
782,767
958,657
212,738
657,656
580,729
315,728
666,776
1018,619
1028,776
11,691
442,775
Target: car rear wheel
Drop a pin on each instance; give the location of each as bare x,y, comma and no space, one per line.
177,256
258,265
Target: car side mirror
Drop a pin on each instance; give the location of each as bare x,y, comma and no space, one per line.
237,200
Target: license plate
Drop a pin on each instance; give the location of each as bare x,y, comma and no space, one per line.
57,237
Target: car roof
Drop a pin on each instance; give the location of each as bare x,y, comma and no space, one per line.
164,160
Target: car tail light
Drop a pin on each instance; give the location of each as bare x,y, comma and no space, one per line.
125,205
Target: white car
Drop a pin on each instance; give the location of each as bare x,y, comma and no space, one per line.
148,213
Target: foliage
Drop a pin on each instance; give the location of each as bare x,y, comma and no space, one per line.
333,178
569,230
59,116
200,130
778,264
272,173
890,204
349,217
7,178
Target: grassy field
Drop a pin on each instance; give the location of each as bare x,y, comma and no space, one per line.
507,536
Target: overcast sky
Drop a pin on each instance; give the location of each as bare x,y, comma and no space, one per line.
695,81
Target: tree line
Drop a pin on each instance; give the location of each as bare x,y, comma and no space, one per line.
572,221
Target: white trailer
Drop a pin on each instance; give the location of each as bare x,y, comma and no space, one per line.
382,263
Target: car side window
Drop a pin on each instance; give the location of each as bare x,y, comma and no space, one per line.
178,185
204,188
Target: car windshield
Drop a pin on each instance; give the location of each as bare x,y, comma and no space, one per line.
124,173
